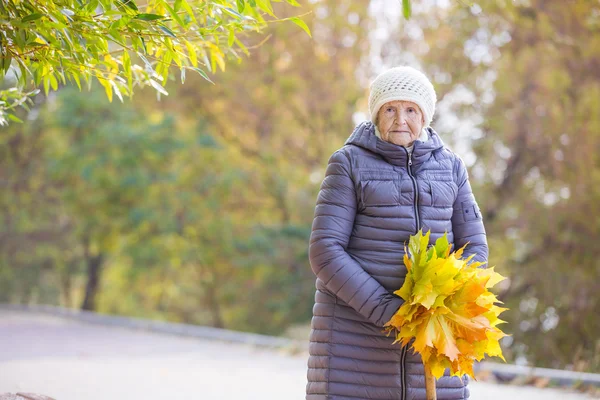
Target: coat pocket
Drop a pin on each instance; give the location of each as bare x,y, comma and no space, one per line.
379,188
442,188
470,211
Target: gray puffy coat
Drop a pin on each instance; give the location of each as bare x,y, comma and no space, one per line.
374,196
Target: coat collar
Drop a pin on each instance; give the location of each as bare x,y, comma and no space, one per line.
364,136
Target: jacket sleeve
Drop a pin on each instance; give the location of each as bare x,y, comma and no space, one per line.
331,229
467,222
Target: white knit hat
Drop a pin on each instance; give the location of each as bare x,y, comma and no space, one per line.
403,83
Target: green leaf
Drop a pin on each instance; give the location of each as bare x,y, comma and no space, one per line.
406,8
192,53
158,87
53,82
145,60
42,38
46,85
14,118
131,4
21,38
231,38
241,5
266,6
76,79
167,31
127,69
149,17
177,58
190,11
61,75
91,6
166,63
67,36
177,5
116,35
293,3
37,76
203,74
67,12
107,87
6,62
144,44
32,17
175,15
242,46
233,13
25,72
301,24
116,90
441,245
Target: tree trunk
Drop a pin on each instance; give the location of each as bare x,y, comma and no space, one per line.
65,289
94,265
214,306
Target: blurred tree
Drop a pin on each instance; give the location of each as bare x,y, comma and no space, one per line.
284,110
161,217
528,74
204,216
196,218
292,102
206,256
55,42
104,160
32,234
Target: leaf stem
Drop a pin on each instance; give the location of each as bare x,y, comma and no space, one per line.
430,392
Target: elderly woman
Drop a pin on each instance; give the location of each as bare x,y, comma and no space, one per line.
393,177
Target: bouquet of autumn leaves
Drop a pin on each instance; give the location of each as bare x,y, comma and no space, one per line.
447,308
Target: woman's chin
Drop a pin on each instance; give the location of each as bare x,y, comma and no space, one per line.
400,139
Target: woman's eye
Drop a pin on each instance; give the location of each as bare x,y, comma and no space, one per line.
389,110
411,110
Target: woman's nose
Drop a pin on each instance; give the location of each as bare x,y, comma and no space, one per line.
402,117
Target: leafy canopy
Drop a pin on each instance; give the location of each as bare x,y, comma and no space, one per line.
120,42
447,308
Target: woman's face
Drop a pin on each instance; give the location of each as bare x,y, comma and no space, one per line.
400,122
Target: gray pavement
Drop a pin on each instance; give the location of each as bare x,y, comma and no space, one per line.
71,360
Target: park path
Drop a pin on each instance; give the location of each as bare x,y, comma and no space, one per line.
72,360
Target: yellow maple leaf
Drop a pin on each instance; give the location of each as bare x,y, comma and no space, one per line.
447,308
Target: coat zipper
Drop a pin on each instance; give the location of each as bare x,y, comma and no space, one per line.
414,181
416,208
403,372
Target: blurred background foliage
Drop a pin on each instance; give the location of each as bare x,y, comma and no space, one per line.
197,208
